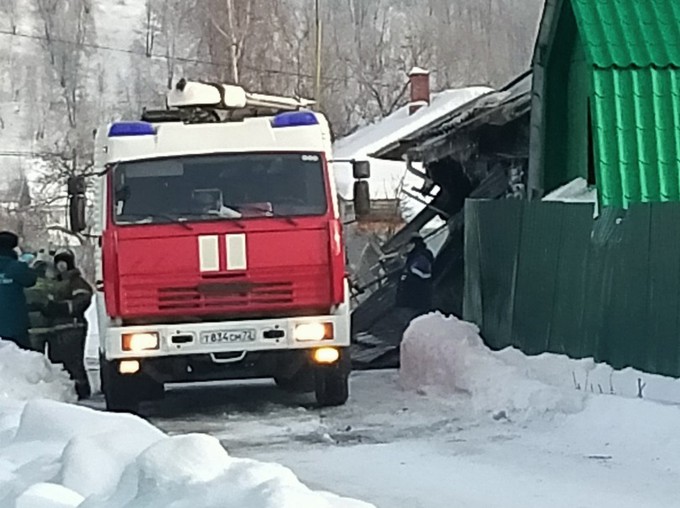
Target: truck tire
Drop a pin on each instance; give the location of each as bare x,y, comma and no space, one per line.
302,382
332,383
119,391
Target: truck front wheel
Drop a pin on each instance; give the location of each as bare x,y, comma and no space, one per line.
332,383
120,392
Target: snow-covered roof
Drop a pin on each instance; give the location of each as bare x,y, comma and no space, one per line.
368,140
386,176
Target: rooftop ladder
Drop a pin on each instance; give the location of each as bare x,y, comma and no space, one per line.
197,102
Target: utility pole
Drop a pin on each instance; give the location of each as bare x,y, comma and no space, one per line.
317,87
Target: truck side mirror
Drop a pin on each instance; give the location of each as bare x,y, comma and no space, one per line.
77,203
361,169
362,199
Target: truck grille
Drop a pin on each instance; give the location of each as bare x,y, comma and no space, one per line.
213,294
225,294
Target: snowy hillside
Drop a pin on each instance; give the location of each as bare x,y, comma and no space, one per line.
29,98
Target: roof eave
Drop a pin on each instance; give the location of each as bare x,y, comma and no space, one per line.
546,32
502,112
447,144
398,149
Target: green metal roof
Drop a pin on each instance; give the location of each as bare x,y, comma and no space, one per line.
636,119
630,33
632,48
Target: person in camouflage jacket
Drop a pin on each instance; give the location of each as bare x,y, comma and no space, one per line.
37,299
66,308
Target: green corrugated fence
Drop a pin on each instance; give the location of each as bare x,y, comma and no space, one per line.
547,277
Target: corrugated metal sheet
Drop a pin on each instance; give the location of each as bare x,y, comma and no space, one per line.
546,277
627,33
636,116
632,50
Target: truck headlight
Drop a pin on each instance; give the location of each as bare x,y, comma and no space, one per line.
140,341
129,367
326,355
313,332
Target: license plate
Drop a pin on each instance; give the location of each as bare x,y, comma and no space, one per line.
228,337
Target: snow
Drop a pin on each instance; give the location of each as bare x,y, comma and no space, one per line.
446,356
368,140
459,425
48,495
58,455
25,375
64,455
576,191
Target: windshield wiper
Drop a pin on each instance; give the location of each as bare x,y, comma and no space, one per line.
287,218
211,216
172,219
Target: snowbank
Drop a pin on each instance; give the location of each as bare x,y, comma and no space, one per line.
26,375
444,356
58,455
61,456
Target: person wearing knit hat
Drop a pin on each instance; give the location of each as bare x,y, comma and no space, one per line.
66,345
8,241
15,276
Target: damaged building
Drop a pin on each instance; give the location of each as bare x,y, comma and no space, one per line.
479,150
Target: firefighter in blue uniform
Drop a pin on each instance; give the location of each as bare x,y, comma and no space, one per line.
415,284
15,276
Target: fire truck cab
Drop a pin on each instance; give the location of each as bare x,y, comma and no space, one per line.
220,247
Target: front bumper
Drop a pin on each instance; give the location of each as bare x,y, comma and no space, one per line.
185,339
200,368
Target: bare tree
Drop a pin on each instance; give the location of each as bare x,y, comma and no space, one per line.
172,32
239,20
151,27
9,9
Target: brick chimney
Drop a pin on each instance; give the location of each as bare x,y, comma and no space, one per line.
420,89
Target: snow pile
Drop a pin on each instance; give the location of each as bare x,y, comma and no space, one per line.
61,456
27,375
445,355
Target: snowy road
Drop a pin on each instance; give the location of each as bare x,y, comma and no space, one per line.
406,450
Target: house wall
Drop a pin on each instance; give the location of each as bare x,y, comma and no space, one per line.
566,118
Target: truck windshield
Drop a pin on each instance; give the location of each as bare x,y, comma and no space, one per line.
219,187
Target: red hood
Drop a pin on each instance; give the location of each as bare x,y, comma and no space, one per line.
158,269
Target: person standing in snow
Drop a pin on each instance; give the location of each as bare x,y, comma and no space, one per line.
37,298
415,284
15,276
66,309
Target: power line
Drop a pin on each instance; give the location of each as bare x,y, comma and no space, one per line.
28,154
178,58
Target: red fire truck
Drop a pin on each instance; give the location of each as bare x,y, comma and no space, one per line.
220,246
